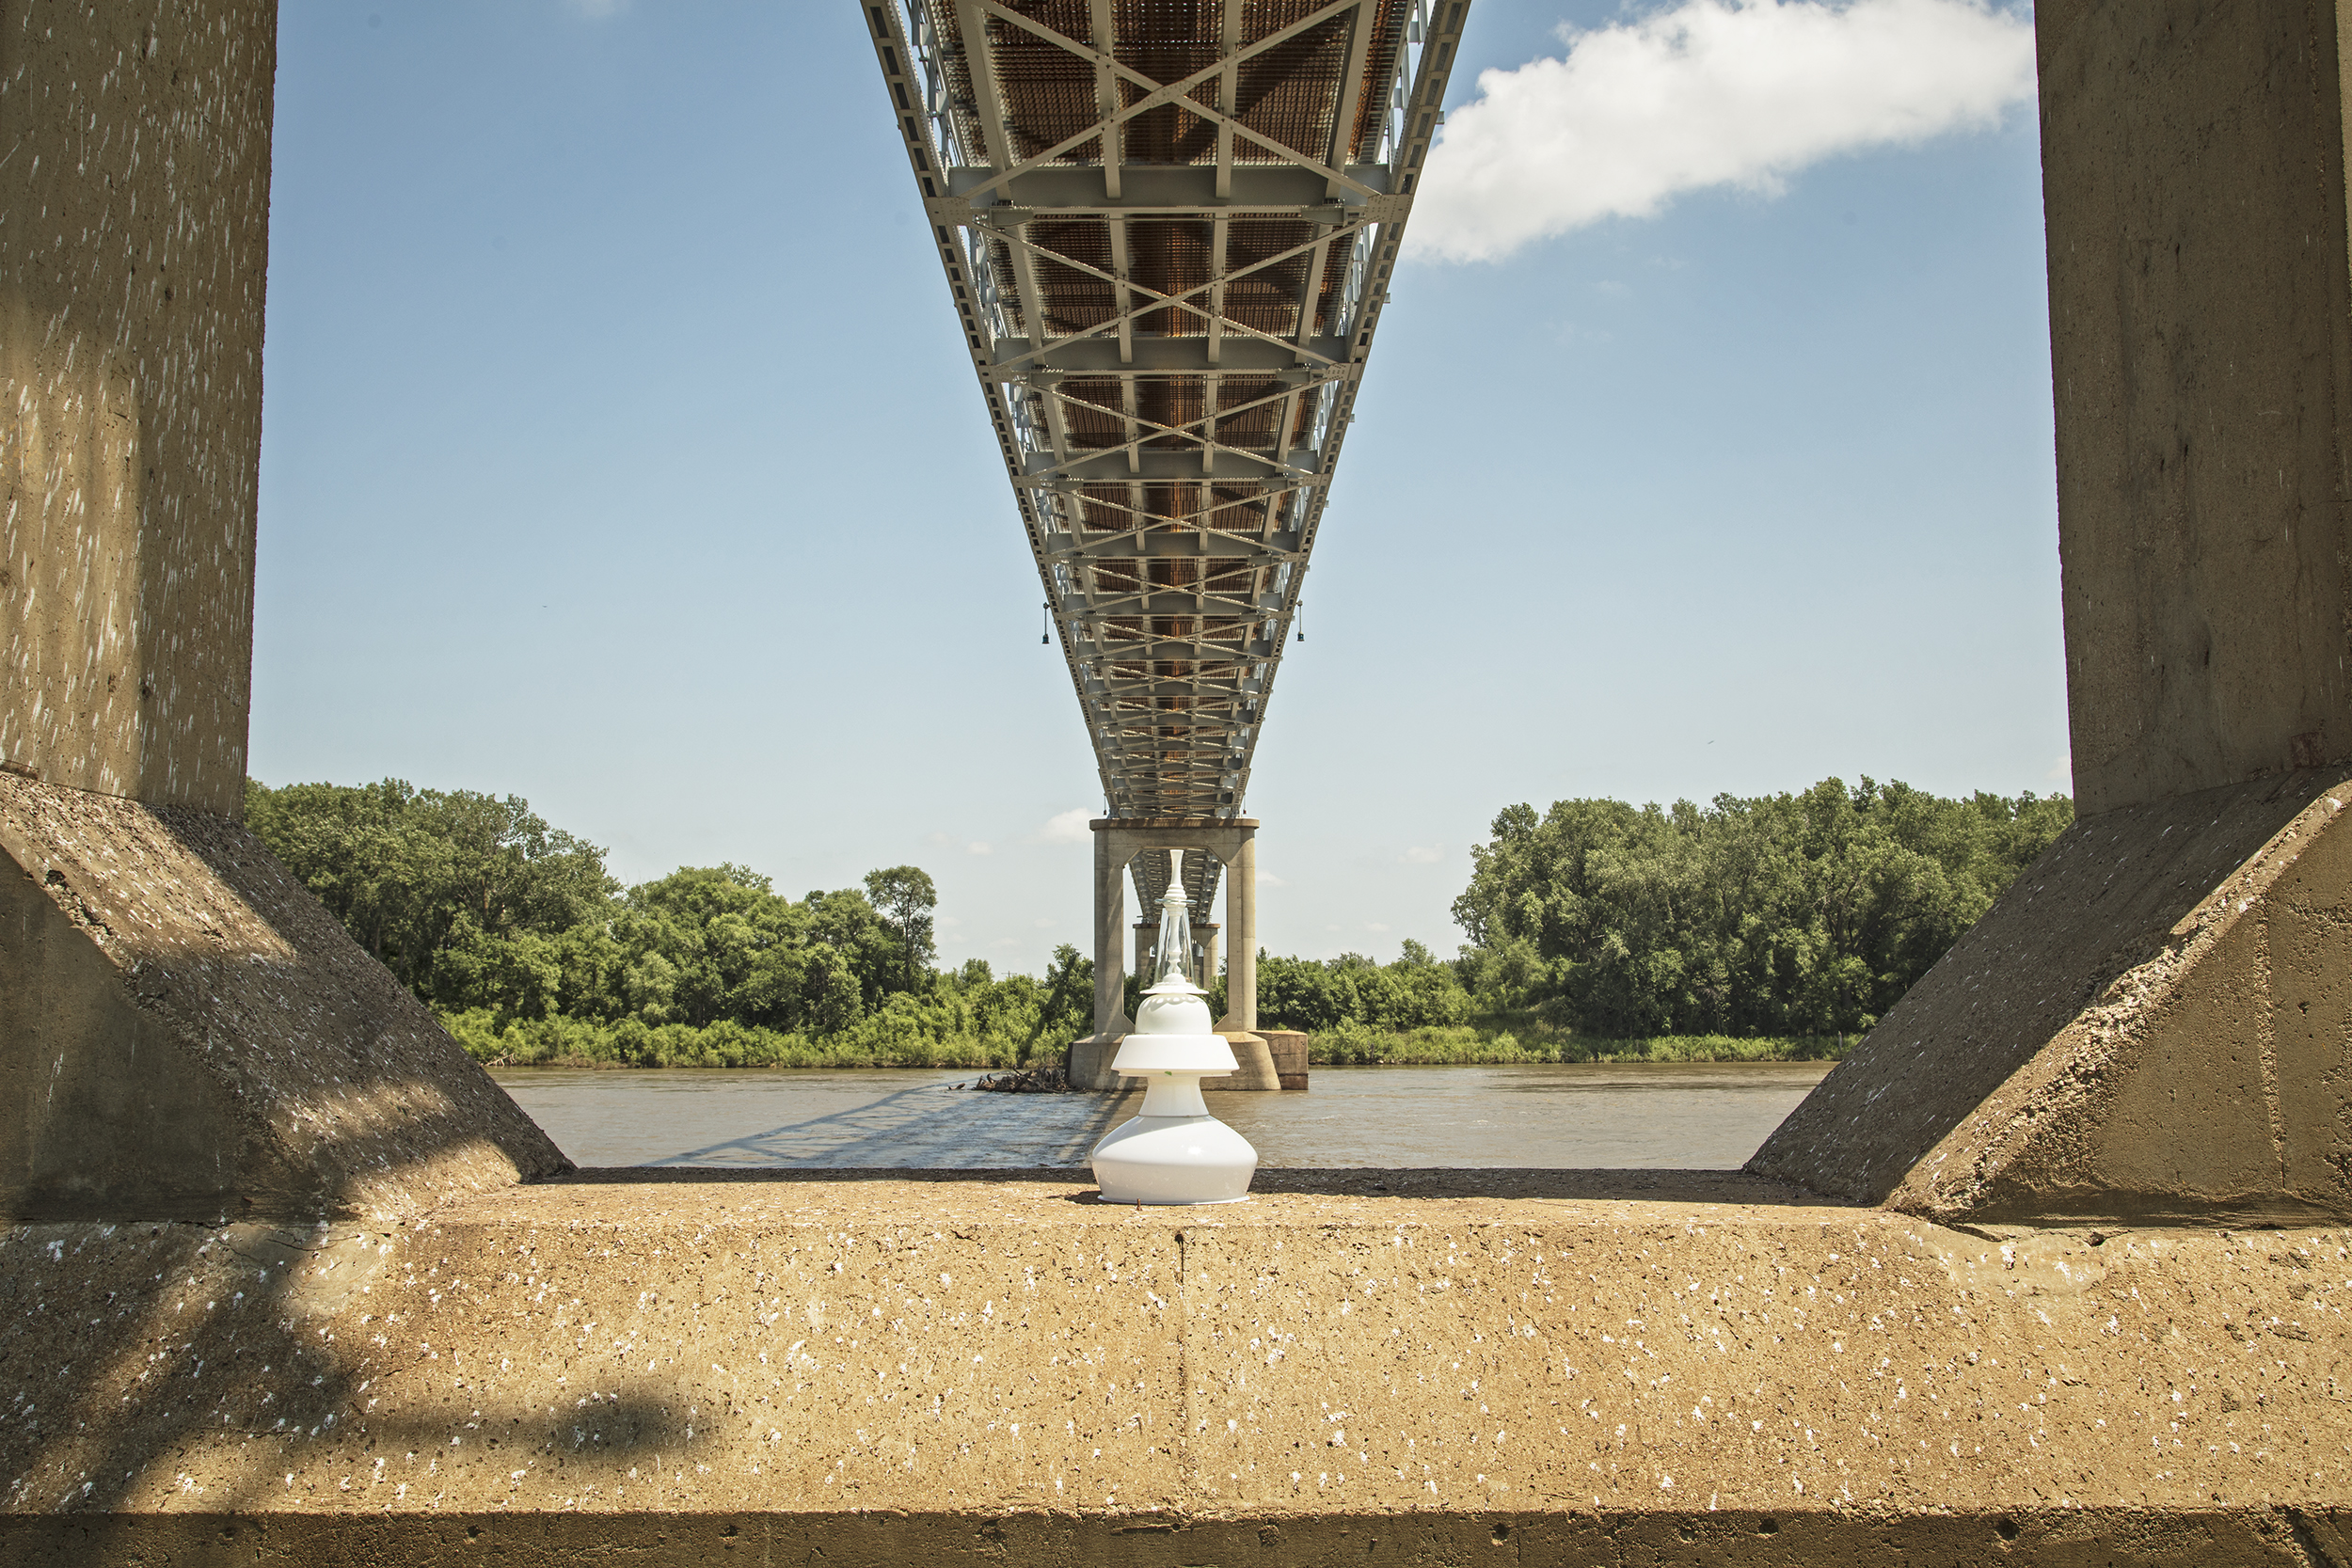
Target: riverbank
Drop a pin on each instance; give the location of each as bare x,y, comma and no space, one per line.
1513,1042
888,1040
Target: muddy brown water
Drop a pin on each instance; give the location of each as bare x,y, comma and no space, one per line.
1690,1116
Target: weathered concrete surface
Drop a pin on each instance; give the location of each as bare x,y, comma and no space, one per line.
1288,1047
1255,1071
1088,1062
185,1034
2200,323
2154,1021
1003,1369
134,246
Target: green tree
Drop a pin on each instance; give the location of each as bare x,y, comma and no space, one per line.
415,874
1066,1011
904,897
1413,992
1808,913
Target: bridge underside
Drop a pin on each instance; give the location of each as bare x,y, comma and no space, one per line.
1168,232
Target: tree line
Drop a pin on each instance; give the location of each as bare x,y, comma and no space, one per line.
530,950
1783,915
1791,916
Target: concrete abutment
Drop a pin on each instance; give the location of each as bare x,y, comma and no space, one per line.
2151,1023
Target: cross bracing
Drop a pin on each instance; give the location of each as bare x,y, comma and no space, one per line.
1168,228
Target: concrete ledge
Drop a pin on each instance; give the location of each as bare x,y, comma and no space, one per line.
2279,1536
1573,1366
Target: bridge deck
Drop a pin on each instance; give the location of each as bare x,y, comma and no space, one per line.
1169,230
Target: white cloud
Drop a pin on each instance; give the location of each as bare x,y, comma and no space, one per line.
1375,926
1710,93
978,850
1046,924
1420,855
1069,827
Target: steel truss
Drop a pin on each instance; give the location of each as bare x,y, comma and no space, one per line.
1169,227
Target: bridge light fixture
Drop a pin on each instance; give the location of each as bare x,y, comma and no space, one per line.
1173,1151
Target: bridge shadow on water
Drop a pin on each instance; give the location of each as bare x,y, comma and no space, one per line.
925,1127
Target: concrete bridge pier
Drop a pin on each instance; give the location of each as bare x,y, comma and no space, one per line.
185,1034
2154,1023
1232,843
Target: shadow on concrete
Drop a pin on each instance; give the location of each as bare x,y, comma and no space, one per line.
1583,1186
192,1037
182,1333
1963,1532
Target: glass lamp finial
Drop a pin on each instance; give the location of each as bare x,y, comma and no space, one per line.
1175,936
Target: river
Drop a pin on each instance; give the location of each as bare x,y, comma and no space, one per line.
1581,1117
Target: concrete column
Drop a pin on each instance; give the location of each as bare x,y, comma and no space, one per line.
1147,936
2201,341
1207,934
1112,850
131,306
185,1034
2152,1022
1241,922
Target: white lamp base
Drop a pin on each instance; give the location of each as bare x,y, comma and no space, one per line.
1174,1151
1174,1160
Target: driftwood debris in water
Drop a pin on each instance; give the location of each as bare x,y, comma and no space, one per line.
1027,1080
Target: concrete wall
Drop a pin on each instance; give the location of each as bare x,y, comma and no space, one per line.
133,247
2200,324
1546,1368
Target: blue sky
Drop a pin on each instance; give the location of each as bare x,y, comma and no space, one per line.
619,454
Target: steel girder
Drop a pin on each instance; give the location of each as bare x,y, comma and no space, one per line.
1169,231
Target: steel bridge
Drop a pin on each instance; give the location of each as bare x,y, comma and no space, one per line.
1168,228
